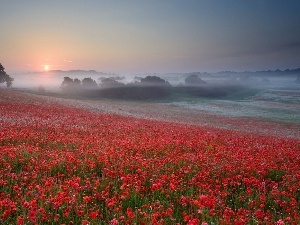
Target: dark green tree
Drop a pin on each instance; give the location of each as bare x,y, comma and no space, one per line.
4,77
154,81
89,83
70,86
67,83
194,80
77,83
111,83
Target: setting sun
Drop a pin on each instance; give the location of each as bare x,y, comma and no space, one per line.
46,67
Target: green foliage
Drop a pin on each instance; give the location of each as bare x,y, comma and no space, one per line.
275,175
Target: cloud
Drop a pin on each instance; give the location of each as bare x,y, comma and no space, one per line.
68,61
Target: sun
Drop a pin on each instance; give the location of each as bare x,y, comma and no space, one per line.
46,67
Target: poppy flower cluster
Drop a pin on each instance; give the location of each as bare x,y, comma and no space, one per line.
64,165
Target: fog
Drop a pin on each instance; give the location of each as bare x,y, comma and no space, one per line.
52,80
271,95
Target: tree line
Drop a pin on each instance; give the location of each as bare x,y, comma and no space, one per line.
147,88
150,87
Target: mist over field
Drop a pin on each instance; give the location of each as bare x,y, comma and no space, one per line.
262,79
271,95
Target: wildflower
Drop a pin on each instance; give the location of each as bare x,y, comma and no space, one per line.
130,213
94,214
20,220
114,221
84,222
280,222
193,222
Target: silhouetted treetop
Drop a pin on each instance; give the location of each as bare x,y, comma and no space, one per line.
89,83
77,82
117,78
154,81
110,83
70,85
194,80
67,82
1,68
5,77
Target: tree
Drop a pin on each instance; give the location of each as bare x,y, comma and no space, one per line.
67,83
154,81
77,83
194,80
111,83
5,77
89,83
70,86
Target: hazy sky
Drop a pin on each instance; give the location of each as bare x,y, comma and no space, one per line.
150,36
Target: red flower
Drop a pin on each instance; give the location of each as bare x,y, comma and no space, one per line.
84,222
193,222
130,213
280,222
87,199
20,220
94,214
114,221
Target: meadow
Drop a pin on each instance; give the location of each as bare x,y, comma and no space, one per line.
61,164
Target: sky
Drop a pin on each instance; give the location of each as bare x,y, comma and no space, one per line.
149,36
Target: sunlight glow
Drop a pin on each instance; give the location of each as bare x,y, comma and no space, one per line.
46,67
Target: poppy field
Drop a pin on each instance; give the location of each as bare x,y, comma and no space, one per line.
65,165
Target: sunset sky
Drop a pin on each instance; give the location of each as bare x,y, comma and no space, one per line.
149,36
